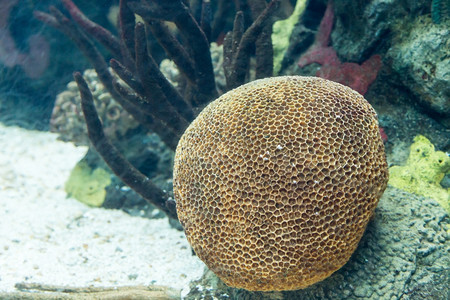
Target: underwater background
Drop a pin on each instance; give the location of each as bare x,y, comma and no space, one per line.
60,200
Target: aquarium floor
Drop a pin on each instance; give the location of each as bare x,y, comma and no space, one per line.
47,238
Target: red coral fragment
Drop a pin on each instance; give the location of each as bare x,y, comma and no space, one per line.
320,55
358,77
383,135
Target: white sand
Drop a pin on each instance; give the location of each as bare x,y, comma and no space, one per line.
47,238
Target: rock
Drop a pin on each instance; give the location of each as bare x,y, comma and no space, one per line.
362,26
403,33
421,57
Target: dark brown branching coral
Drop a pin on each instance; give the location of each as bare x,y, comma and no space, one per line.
148,96
237,43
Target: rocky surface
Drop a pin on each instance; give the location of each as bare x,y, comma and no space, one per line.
421,58
363,27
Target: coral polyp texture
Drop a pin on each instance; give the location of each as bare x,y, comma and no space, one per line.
68,120
276,180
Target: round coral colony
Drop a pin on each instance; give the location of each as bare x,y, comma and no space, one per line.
276,180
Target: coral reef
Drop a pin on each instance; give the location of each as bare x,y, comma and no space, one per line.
404,252
276,181
87,185
423,172
358,77
68,120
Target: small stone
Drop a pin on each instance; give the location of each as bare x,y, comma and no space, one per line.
363,291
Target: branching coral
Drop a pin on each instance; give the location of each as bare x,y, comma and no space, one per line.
148,96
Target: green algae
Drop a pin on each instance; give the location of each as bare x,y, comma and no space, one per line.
87,185
423,172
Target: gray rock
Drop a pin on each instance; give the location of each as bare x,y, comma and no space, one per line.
362,26
409,42
420,55
401,256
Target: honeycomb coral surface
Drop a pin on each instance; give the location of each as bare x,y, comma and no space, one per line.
276,180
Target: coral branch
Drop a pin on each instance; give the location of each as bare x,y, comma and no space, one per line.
320,52
263,43
145,117
325,27
196,43
230,46
127,22
198,46
127,76
105,37
173,48
118,164
238,31
153,83
238,57
205,20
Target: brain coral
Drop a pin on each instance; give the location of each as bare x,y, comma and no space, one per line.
276,180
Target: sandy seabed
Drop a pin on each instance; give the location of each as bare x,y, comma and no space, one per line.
47,238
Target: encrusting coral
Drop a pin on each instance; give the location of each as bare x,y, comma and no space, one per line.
276,181
423,172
